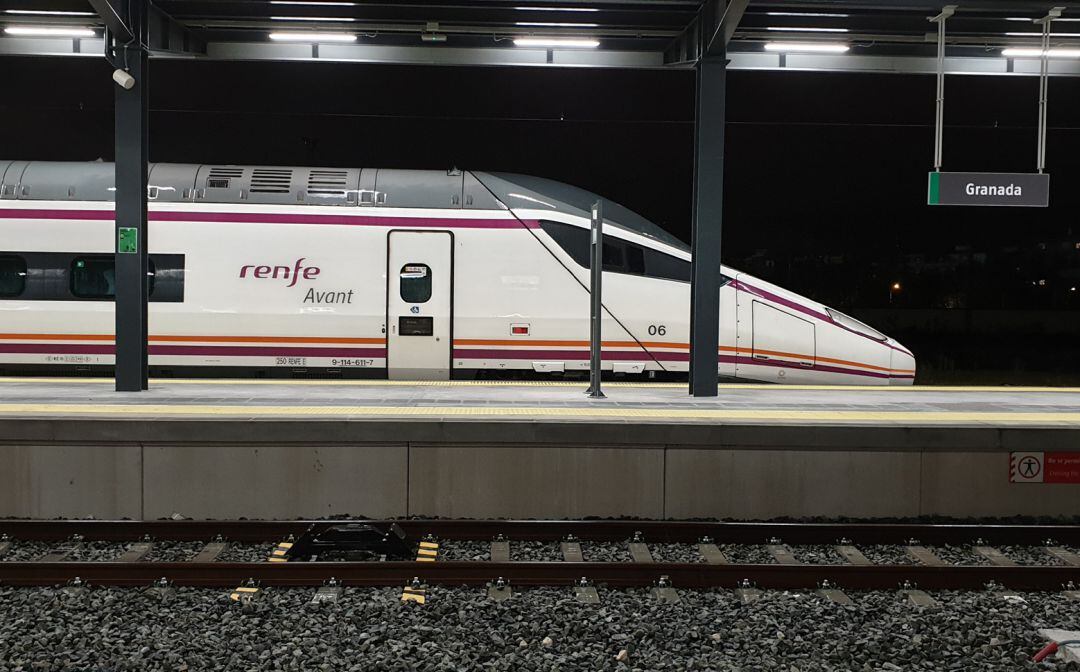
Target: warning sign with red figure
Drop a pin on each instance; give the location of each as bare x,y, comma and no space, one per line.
1042,467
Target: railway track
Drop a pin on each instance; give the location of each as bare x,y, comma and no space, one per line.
711,568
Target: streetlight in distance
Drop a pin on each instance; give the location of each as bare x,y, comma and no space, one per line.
894,288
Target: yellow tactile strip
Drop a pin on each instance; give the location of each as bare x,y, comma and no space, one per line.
698,414
538,383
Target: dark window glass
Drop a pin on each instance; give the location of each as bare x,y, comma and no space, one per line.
167,278
614,260
95,277
620,256
574,240
635,259
12,276
415,283
660,265
623,257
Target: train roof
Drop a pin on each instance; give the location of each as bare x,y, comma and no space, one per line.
298,185
280,185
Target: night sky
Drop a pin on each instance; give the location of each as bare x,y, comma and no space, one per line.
825,186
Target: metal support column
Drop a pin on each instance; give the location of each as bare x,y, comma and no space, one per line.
939,120
596,300
708,214
132,156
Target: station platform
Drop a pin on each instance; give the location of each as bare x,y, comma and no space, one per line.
304,448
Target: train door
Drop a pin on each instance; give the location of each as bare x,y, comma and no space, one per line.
419,305
784,343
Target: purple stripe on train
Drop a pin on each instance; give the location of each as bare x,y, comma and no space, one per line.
279,218
618,355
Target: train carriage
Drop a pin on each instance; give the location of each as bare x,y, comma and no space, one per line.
403,274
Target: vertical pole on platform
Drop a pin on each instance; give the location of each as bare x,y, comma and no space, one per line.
132,156
708,218
596,303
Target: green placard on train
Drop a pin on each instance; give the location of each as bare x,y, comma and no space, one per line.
127,241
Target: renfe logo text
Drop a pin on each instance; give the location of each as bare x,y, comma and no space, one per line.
283,272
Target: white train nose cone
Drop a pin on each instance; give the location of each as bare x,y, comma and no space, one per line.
903,365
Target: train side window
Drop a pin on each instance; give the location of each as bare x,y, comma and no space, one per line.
620,256
614,259
635,259
623,257
94,278
415,282
12,276
666,267
574,240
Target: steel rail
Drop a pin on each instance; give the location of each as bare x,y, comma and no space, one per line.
615,574
652,531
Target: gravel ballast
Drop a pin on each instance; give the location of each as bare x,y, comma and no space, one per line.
535,551
887,555
174,551
959,555
538,629
246,552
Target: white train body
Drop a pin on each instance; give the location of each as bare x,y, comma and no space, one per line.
377,285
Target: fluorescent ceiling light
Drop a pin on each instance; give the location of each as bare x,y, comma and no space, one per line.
555,24
555,42
47,12
807,30
557,9
316,4
1023,52
823,14
1021,18
313,37
326,19
41,31
1039,35
819,47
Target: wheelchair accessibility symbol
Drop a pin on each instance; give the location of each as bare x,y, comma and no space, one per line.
1026,467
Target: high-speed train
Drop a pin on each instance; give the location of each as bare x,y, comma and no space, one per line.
405,274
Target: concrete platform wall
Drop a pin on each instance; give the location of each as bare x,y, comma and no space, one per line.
278,480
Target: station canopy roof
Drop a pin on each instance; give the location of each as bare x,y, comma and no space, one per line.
845,35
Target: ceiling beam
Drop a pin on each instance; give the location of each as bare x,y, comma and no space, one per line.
709,33
732,16
163,33
110,12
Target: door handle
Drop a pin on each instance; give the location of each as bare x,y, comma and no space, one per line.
757,356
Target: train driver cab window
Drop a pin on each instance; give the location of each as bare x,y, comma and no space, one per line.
415,283
95,277
623,257
12,276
